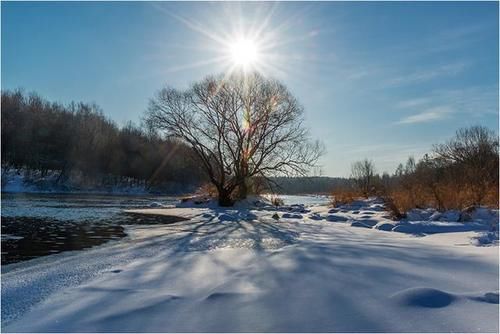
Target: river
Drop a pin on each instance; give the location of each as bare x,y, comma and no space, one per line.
35,225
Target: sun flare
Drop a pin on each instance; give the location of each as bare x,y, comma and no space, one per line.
244,52
253,41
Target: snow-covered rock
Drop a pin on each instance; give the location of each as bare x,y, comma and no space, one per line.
450,216
419,214
385,226
292,216
438,227
336,218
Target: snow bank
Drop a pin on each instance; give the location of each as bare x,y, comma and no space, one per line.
32,181
240,270
370,213
421,227
215,276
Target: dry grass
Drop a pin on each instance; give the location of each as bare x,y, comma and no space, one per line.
343,196
207,189
441,196
276,201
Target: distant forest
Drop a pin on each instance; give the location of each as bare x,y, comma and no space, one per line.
308,185
82,145
76,145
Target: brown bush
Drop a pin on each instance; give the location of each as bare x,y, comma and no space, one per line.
393,208
207,189
276,201
442,196
343,196
491,197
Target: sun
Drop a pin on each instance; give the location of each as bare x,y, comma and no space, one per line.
243,52
246,38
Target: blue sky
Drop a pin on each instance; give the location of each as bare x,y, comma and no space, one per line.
377,80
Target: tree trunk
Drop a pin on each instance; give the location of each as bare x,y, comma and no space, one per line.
225,198
243,189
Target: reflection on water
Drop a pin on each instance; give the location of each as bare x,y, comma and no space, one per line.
24,238
36,225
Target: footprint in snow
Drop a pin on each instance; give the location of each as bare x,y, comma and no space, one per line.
116,271
223,296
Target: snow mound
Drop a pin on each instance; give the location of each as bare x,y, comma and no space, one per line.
368,223
450,216
315,216
424,227
433,215
486,238
419,214
360,223
292,216
485,214
423,297
488,297
336,218
384,226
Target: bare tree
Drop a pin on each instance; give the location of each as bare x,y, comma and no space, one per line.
240,126
363,173
473,152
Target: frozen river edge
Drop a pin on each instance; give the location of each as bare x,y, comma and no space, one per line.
242,270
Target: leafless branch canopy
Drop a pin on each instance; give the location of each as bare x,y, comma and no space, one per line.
242,125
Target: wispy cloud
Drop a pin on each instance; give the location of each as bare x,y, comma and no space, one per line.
471,102
428,115
411,103
424,75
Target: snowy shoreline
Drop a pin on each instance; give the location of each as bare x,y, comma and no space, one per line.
240,269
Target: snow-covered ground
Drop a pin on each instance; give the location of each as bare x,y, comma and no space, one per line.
24,181
310,268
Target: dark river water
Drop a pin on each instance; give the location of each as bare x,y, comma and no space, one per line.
35,225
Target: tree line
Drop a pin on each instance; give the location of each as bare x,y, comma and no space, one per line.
462,172
78,142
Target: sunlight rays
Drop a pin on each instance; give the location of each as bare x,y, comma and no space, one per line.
248,40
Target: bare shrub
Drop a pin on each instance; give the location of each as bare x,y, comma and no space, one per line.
277,201
473,155
344,195
396,207
363,173
460,173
